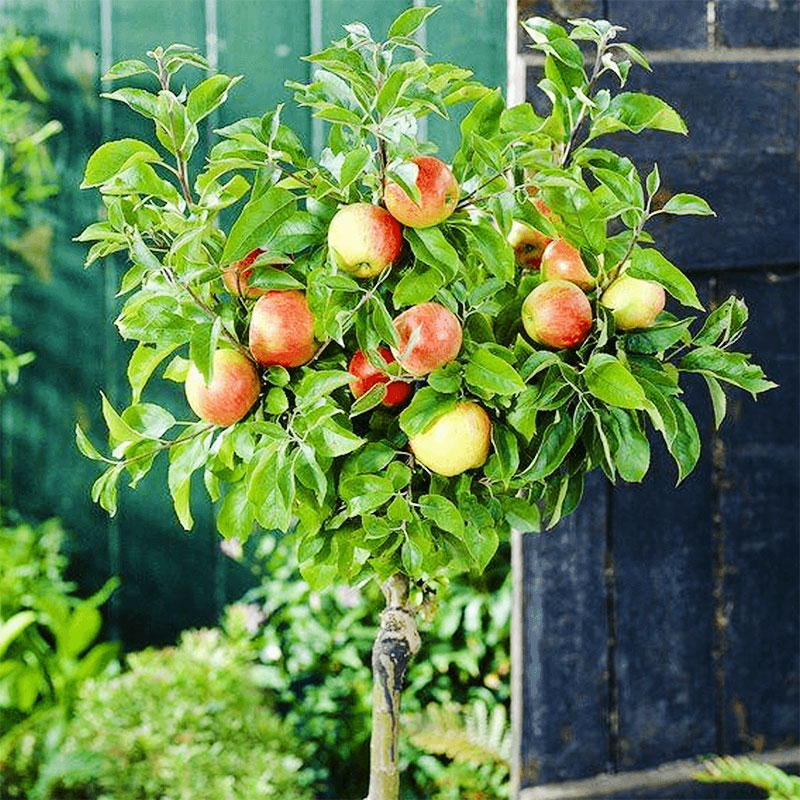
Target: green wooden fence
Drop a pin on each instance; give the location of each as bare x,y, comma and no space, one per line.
171,580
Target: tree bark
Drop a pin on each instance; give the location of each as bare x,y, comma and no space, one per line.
395,645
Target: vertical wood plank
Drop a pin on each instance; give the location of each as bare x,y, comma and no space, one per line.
564,637
665,608
759,475
162,567
60,312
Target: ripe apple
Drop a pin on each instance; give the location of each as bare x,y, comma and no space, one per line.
557,314
235,276
562,261
636,303
282,329
234,388
528,244
457,441
438,191
438,339
366,238
397,392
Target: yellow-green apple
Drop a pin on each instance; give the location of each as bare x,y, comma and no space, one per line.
366,238
234,388
236,276
562,261
282,329
528,244
636,303
557,314
438,190
367,375
455,442
436,334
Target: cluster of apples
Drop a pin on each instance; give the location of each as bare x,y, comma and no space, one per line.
366,239
557,313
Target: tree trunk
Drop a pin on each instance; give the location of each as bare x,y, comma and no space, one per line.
397,642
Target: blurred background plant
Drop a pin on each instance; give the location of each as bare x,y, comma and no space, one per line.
27,178
47,648
739,769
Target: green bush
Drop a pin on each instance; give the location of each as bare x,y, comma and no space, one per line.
314,649
184,723
46,649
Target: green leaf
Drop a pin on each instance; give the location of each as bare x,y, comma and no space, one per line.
365,493
354,163
609,380
258,223
718,400
735,368
685,445
114,157
309,472
482,543
184,459
13,627
649,265
404,174
118,430
409,20
203,345
320,383
630,447
430,246
504,462
85,446
148,419
724,324
653,182
140,101
557,440
81,630
446,379
104,489
490,373
522,515
443,513
177,369
425,408
372,398
635,111
142,364
236,515
125,69
331,439
417,286
209,95
682,204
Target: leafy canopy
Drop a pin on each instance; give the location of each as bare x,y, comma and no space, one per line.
308,452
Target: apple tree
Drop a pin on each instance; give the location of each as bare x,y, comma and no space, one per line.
395,359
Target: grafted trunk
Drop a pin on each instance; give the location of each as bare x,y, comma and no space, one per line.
395,645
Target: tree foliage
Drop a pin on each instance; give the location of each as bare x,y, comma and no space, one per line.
308,452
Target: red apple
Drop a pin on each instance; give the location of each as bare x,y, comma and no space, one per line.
366,238
437,341
636,303
528,244
282,329
557,314
455,442
562,261
234,388
397,392
236,276
438,191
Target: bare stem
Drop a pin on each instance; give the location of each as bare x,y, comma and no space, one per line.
396,644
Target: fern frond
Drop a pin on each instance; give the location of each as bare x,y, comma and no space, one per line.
467,735
739,769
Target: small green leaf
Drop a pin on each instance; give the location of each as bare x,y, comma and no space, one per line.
85,446
126,69
735,368
235,516
409,20
718,400
112,158
482,544
425,408
490,373
140,101
609,380
209,95
203,345
685,445
184,459
522,515
443,513
365,493
682,204
649,265
142,364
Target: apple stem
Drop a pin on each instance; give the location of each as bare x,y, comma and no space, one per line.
396,644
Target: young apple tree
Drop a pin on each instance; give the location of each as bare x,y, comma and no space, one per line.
397,359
